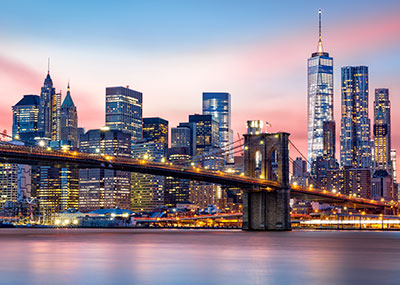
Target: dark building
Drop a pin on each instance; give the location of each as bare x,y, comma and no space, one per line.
184,135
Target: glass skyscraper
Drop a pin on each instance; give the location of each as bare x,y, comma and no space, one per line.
218,104
355,148
124,111
320,98
207,134
26,118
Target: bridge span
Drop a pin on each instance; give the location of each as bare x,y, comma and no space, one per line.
255,188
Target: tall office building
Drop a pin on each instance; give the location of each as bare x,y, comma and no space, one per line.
49,112
156,130
104,188
355,147
124,111
320,97
300,174
207,132
147,190
69,120
26,119
382,130
184,135
218,105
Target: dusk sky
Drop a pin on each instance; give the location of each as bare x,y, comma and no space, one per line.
172,51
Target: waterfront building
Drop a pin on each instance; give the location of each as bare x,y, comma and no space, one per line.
207,132
218,104
156,130
26,119
124,111
350,181
176,190
184,135
382,130
69,120
104,188
49,111
382,186
319,99
147,191
355,149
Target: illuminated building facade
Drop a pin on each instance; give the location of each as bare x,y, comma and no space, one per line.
319,99
394,164
177,189
104,188
69,120
355,150
350,181
49,112
156,130
124,111
382,130
207,132
147,191
218,104
26,118
255,127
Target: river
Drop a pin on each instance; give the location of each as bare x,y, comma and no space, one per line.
168,256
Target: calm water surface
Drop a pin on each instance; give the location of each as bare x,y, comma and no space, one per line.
138,256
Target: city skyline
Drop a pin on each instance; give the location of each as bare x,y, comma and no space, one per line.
214,67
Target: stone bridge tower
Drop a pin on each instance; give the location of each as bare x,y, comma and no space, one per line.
266,156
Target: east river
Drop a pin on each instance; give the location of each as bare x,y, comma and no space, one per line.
158,256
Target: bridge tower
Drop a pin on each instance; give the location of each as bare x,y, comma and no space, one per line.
266,156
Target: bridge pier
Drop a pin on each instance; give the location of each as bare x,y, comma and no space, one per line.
266,210
267,157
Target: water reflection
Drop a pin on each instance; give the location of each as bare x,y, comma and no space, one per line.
71,256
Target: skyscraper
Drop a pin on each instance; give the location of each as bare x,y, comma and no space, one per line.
382,130
147,190
218,104
184,135
49,112
156,130
320,97
69,120
26,118
124,111
207,135
104,188
355,147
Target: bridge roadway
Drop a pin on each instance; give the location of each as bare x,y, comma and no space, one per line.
48,157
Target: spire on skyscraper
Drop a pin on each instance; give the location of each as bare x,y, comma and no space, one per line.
320,48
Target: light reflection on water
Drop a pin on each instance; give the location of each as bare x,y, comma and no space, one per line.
138,256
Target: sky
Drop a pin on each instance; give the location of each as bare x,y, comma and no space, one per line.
172,51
